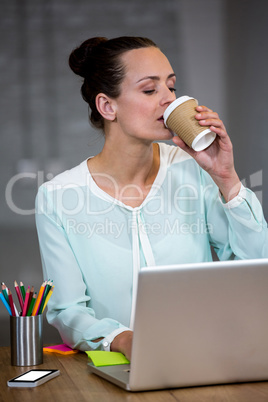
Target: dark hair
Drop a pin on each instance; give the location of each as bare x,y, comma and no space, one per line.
98,61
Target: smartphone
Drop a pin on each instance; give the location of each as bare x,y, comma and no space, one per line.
33,378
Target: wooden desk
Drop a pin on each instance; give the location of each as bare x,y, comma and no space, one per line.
75,383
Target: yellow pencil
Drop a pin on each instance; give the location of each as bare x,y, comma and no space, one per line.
39,297
48,297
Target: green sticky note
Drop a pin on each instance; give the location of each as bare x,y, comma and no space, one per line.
102,358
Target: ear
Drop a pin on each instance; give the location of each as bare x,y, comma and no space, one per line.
106,107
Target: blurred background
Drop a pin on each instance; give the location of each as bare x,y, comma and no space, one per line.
218,49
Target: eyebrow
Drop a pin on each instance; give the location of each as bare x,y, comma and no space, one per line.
155,77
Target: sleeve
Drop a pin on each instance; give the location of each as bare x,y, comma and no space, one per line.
238,229
68,308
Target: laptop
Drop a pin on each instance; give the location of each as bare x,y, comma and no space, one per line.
197,324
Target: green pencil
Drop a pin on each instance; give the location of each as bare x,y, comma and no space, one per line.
47,289
30,309
22,290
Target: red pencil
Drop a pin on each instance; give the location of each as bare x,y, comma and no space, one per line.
25,306
19,294
31,295
11,303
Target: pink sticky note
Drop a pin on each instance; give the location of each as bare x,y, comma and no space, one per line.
63,349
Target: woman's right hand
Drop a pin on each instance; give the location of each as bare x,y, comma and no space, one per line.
123,343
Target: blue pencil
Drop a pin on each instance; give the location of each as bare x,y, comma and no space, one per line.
4,290
5,303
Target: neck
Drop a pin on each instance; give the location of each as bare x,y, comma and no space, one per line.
126,172
135,163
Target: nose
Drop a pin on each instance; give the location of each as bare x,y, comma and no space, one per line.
168,96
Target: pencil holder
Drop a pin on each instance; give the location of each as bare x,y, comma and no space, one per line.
26,340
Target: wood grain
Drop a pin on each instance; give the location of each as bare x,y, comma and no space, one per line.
75,383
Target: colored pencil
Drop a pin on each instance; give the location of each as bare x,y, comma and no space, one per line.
31,295
42,297
4,289
31,305
26,301
47,289
11,303
38,300
16,310
22,290
6,304
18,294
47,298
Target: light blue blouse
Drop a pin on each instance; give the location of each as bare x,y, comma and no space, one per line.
93,245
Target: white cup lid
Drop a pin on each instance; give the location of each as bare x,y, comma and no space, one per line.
203,140
175,104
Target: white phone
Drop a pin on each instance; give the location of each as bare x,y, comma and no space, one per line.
33,378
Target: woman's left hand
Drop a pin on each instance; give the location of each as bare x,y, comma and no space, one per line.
218,158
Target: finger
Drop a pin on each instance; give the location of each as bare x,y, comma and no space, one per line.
212,122
222,136
207,115
221,132
202,108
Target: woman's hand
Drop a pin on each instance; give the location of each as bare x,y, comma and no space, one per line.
123,343
217,159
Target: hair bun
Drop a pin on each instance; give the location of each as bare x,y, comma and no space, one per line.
79,59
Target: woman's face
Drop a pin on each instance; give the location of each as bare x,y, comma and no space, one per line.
146,92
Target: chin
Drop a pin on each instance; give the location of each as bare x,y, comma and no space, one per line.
167,135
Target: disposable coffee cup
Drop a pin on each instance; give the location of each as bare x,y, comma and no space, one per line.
179,117
26,340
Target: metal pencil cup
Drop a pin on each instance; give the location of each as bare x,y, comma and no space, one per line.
26,339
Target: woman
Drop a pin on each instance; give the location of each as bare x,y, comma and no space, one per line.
138,202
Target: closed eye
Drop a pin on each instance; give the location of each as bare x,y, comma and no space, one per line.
149,92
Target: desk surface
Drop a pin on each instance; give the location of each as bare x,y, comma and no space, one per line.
75,383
